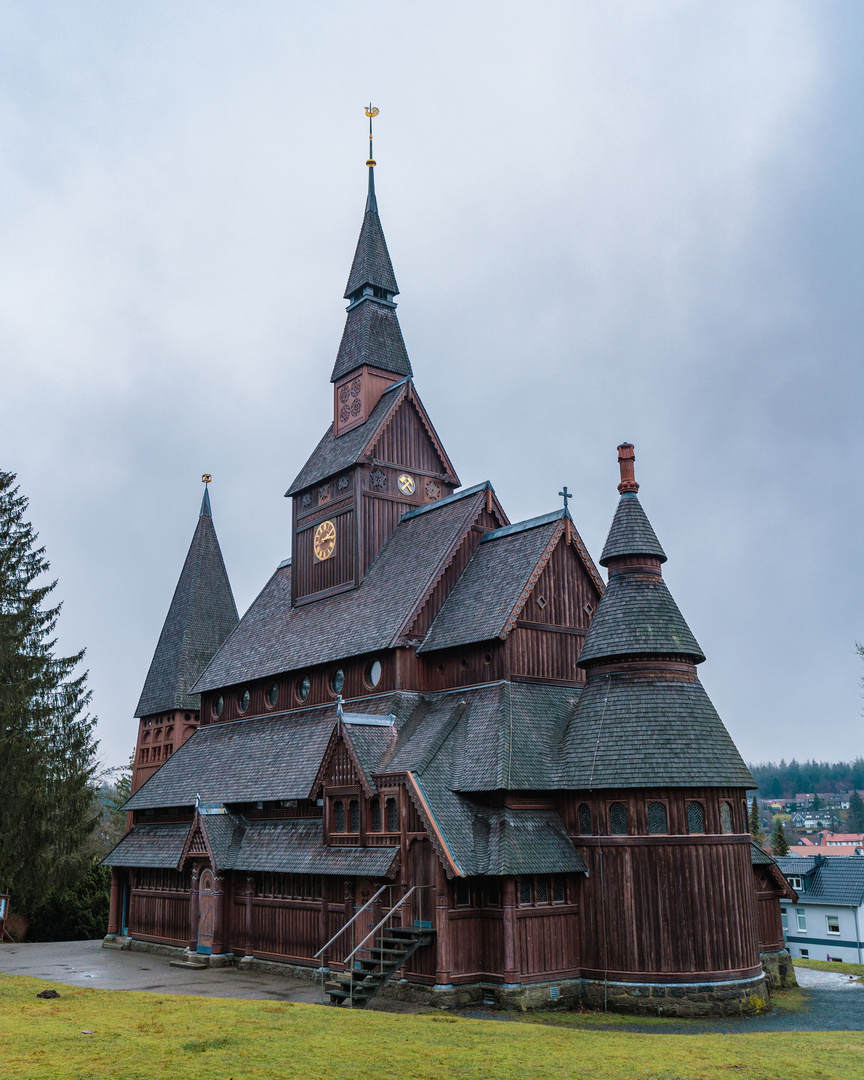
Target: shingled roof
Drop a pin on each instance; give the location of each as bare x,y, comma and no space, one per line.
489,591
201,616
373,336
637,615
274,637
648,729
631,532
371,265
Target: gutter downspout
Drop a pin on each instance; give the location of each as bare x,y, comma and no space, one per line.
857,936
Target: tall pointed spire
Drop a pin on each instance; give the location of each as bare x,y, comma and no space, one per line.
372,334
201,616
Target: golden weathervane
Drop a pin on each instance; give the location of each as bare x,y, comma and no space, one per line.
371,112
206,478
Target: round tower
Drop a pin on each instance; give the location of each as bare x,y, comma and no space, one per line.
669,919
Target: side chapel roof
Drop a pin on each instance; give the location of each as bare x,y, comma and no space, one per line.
201,616
492,589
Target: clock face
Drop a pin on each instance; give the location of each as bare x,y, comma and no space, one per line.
406,484
324,541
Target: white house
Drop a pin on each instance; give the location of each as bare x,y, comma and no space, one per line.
827,920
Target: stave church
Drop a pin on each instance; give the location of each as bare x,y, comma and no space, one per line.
440,757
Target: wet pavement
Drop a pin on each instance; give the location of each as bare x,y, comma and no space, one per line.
86,963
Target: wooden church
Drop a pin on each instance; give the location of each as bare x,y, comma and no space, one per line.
439,756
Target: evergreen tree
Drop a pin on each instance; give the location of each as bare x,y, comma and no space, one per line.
779,843
817,803
755,823
855,818
47,748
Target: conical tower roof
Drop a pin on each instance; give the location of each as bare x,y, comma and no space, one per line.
201,616
372,333
643,719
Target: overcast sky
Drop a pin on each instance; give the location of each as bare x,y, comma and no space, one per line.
609,221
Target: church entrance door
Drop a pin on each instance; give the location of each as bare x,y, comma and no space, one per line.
364,890
206,912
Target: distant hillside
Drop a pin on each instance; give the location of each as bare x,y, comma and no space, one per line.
788,778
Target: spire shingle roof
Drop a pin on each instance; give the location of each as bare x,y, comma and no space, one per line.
201,616
631,532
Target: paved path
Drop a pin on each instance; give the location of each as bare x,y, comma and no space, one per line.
86,963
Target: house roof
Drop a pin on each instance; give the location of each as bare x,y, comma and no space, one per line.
201,615
832,880
275,637
152,846
491,590
843,850
645,729
631,532
637,615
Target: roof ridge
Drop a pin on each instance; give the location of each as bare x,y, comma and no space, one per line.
524,526
455,497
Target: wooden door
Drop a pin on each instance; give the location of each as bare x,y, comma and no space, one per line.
206,911
364,890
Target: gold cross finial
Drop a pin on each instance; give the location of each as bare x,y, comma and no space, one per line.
371,112
206,478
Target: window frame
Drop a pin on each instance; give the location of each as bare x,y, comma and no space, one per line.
801,919
828,929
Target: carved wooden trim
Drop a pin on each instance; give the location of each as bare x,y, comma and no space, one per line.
587,561
337,736
436,837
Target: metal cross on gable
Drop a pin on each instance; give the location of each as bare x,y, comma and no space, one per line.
565,495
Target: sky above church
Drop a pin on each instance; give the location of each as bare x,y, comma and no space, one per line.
621,221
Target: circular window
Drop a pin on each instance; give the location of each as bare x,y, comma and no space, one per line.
273,694
488,658
373,673
463,662
337,681
243,701
304,685
218,706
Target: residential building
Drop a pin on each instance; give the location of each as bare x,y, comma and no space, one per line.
827,919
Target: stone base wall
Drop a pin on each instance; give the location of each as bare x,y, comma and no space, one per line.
779,969
740,997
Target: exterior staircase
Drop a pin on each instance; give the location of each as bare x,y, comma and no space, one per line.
360,983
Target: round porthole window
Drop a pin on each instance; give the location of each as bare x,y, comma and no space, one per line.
373,673
337,681
273,694
304,685
218,706
243,701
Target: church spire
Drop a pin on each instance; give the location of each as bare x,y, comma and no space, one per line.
372,335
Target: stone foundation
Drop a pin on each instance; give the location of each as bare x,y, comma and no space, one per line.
738,997
779,969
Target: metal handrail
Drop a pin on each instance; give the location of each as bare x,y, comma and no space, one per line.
375,929
350,921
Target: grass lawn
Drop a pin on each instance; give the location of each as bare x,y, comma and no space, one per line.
838,967
100,1034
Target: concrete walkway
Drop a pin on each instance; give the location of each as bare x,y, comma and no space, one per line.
86,963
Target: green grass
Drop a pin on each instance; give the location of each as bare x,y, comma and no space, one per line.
146,1036
832,965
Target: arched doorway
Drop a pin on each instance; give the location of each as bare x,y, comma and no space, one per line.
206,911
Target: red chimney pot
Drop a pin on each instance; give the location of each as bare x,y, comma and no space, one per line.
626,460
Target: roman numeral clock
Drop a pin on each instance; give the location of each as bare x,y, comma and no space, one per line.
324,540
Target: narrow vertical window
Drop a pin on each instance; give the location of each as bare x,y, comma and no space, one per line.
354,815
726,817
376,815
802,920
463,893
618,819
392,816
542,890
558,892
657,821
339,816
585,819
695,817
524,890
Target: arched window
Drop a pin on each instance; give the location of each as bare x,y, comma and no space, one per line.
585,819
618,819
392,816
657,820
376,815
695,817
726,817
354,815
339,816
